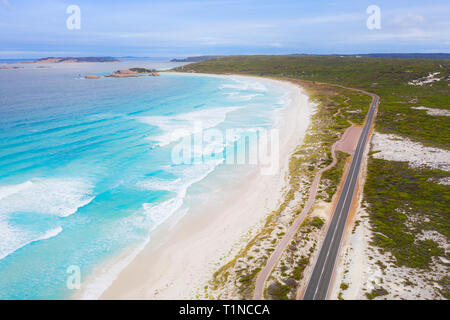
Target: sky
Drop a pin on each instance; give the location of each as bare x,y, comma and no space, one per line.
180,28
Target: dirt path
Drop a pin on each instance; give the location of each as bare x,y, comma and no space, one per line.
343,144
273,260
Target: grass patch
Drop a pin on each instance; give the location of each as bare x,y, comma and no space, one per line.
278,291
332,177
376,293
444,283
317,222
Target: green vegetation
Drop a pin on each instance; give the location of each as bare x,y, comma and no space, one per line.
317,222
445,285
279,291
332,177
301,266
328,124
142,70
376,293
384,76
402,203
250,276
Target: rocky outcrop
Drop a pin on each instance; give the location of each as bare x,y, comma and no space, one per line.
133,72
123,74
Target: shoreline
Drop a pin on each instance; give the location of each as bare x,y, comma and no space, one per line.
185,251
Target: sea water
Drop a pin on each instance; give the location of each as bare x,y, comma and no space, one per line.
86,166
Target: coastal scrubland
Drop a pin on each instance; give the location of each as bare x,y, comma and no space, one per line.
337,108
404,208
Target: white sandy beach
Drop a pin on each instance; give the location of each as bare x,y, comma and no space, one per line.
185,251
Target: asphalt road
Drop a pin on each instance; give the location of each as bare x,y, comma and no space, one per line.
323,270
276,254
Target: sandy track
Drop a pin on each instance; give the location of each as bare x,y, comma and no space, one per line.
347,143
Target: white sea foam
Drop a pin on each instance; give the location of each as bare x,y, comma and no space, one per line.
61,197
245,85
189,175
108,273
285,100
243,97
182,125
159,184
13,238
155,214
6,191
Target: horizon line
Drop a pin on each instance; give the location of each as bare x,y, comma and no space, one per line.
230,55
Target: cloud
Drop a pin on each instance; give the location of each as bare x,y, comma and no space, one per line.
415,34
219,33
25,53
328,19
408,25
239,26
408,20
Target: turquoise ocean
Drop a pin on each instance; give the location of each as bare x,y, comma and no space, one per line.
86,167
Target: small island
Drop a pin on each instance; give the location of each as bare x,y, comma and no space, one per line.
92,76
151,72
9,68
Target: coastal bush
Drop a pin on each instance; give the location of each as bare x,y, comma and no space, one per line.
142,70
387,77
444,283
332,177
394,192
301,266
278,291
376,293
344,286
317,222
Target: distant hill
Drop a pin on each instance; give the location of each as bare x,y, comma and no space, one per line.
410,55
75,59
370,55
392,55
196,59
